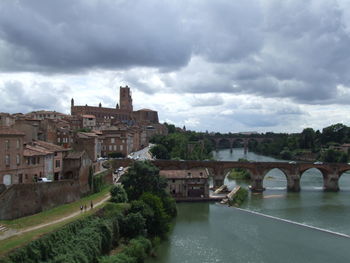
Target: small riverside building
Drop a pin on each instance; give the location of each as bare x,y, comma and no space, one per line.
187,184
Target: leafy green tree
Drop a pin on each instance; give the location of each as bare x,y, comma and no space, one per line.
307,139
143,177
118,194
331,156
159,224
335,133
160,152
171,127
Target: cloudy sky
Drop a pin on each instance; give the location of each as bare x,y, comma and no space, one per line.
222,65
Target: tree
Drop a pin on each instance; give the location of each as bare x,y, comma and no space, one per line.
159,222
143,177
132,225
118,194
307,139
160,152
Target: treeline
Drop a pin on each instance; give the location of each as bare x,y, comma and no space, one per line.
320,145
181,144
133,226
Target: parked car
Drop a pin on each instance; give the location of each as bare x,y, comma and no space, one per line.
44,180
318,162
292,162
121,168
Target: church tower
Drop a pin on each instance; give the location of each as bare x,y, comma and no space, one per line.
125,100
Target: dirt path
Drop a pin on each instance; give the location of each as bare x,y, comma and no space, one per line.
13,232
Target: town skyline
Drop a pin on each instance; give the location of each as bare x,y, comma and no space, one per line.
222,67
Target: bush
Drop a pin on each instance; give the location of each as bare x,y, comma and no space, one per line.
132,225
118,194
239,197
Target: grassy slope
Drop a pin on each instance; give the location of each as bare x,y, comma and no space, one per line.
54,213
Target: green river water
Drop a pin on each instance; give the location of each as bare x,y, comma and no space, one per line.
210,232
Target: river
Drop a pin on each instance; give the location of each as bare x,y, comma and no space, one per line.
209,232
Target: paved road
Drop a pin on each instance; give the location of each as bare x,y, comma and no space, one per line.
143,154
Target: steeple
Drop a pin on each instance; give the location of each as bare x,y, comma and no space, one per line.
117,106
72,102
100,105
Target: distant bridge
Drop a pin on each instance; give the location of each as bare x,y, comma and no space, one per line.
331,172
231,140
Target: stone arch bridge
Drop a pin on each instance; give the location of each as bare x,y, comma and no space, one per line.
331,172
243,140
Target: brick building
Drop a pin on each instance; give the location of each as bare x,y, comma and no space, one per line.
11,156
76,167
187,184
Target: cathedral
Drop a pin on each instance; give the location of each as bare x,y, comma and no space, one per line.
122,113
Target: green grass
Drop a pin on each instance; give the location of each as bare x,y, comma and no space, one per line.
55,213
7,245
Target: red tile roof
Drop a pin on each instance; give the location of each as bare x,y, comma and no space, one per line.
30,150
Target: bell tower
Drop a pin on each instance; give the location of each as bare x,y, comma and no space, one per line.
125,99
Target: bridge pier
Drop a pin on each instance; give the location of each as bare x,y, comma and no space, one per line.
293,183
331,183
257,185
218,177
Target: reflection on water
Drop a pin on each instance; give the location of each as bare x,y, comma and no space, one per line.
213,233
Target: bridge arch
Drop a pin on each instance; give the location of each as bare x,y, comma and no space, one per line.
276,178
344,179
223,143
313,177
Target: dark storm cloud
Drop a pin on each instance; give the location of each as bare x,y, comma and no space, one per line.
270,48
19,97
68,36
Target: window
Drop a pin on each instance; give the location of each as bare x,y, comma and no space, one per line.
58,139
7,144
7,160
55,153
18,144
112,140
110,147
121,147
18,159
58,163
114,147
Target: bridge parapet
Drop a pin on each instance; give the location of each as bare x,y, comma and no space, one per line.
331,171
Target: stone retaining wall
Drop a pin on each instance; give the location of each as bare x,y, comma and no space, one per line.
26,199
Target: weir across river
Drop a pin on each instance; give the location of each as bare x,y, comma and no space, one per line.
331,172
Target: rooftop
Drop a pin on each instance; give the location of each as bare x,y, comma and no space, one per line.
4,130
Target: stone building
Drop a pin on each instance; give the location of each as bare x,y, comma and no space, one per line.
76,167
11,156
43,114
88,142
53,159
6,119
187,184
